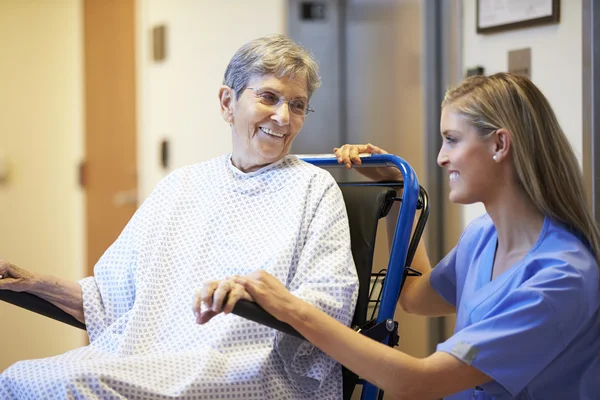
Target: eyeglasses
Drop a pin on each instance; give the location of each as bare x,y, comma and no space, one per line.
270,99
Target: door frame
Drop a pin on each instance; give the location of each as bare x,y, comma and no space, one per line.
591,102
442,67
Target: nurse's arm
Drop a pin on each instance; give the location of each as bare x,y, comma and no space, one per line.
418,296
401,376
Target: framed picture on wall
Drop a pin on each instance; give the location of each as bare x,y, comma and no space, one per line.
502,15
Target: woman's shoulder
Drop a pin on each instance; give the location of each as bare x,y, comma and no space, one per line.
203,171
294,163
289,172
197,174
563,249
303,174
215,163
563,271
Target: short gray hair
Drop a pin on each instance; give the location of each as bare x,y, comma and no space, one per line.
273,54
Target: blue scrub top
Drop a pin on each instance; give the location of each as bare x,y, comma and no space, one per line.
535,328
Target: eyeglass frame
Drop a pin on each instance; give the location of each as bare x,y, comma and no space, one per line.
280,100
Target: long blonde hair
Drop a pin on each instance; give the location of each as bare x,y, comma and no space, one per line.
544,162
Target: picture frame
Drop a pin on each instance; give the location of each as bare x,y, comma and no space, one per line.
502,15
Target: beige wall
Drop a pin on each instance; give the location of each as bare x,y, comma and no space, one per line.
41,125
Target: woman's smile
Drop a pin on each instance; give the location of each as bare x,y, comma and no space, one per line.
272,133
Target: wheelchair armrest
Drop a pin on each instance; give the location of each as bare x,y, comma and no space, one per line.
40,306
254,312
380,332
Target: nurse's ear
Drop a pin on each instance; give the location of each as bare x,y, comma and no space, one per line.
500,143
227,100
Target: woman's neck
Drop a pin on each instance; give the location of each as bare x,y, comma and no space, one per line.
518,222
246,165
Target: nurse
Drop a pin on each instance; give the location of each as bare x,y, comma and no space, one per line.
523,279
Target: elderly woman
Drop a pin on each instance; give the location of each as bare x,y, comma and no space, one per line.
256,208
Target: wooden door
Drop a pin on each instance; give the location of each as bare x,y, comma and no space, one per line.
110,168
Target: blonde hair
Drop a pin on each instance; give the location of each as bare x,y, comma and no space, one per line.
544,162
273,54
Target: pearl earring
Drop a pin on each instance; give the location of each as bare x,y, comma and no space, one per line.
495,157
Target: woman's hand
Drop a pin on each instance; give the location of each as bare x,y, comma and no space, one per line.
348,155
64,294
270,294
215,297
14,278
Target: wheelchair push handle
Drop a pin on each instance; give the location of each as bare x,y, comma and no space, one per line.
368,160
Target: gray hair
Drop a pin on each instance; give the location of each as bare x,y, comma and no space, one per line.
276,55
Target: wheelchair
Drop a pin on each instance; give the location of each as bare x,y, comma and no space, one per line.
366,203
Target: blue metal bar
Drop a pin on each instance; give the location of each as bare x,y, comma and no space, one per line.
402,235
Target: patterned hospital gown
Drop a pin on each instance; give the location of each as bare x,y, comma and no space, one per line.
206,222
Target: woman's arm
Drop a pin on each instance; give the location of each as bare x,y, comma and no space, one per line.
399,375
417,296
66,295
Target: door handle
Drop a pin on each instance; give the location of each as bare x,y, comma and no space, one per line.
125,198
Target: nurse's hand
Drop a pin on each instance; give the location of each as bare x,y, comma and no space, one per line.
269,293
348,155
215,297
15,278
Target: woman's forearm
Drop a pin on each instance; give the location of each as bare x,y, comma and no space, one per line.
408,299
66,295
401,376
369,359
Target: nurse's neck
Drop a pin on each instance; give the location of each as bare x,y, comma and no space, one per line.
517,221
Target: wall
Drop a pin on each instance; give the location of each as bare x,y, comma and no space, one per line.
177,98
41,125
556,63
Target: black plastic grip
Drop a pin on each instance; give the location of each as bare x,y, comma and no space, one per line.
38,305
254,312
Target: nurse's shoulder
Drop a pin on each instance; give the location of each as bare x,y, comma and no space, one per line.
562,249
564,271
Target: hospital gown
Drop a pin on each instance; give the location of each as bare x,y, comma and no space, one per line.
207,222
535,328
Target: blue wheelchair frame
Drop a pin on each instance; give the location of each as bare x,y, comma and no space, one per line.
402,235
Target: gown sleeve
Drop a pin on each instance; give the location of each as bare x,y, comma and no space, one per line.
326,278
110,293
